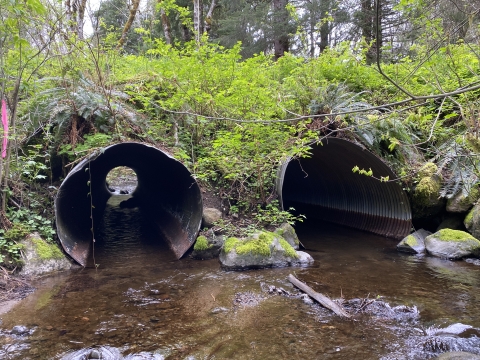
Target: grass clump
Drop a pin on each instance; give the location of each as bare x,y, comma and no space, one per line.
201,244
46,251
453,235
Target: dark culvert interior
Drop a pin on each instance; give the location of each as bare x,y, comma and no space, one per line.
324,187
166,194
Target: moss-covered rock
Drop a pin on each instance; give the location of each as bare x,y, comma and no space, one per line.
461,203
262,249
428,170
207,247
414,243
288,233
426,200
42,257
452,244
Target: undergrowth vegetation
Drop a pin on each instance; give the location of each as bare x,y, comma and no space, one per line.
233,121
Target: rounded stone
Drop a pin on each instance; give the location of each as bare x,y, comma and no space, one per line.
210,216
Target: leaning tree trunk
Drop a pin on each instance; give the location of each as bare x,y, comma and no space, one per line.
128,25
280,18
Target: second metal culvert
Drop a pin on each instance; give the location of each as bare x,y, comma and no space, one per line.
166,191
324,187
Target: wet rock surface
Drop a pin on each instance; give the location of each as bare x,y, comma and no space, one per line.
458,355
414,243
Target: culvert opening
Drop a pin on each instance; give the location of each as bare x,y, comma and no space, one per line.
121,180
324,187
166,194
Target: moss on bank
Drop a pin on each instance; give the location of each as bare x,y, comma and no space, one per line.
469,219
427,170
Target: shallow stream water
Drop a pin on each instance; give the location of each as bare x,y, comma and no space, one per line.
142,303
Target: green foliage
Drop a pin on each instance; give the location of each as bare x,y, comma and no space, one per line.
31,222
10,249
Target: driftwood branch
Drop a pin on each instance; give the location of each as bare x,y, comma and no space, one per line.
322,299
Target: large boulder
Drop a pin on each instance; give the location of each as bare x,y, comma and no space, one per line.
472,221
207,247
288,233
263,249
41,257
414,243
452,244
462,202
210,216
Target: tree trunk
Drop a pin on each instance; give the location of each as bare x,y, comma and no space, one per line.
209,17
198,19
280,18
324,32
81,18
128,25
167,30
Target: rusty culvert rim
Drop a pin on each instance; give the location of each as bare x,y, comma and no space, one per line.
324,187
166,193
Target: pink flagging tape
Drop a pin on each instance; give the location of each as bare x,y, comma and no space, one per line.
5,128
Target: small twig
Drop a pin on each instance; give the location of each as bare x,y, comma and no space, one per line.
213,297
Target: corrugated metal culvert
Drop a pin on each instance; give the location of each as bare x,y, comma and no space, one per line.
166,191
325,187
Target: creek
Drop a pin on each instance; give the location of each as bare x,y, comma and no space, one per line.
142,303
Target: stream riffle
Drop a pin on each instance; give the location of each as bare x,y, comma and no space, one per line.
142,303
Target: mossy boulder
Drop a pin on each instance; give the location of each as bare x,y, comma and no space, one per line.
425,197
472,221
288,233
207,247
41,257
462,202
414,243
261,250
452,244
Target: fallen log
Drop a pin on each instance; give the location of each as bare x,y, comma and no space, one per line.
322,299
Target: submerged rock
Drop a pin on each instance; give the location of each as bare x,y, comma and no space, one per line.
210,216
288,233
207,247
41,257
452,244
263,249
414,243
